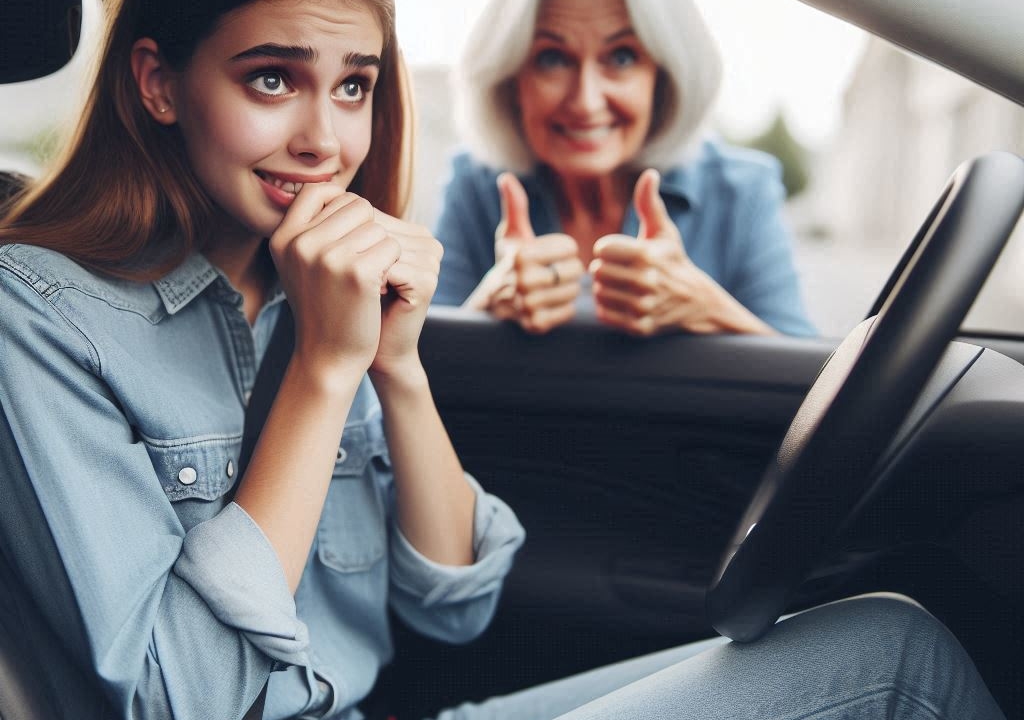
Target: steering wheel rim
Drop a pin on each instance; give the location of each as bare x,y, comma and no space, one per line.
864,393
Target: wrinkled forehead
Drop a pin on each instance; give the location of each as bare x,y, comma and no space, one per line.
583,16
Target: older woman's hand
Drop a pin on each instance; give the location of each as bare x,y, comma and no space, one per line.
648,284
535,280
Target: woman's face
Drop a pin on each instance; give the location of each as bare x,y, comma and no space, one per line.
586,91
278,96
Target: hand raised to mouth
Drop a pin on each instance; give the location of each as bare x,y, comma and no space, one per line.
333,257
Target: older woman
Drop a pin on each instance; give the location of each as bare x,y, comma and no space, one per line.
587,187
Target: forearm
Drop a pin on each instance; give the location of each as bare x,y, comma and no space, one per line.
435,503
290,471
723,313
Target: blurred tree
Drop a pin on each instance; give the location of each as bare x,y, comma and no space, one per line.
777,140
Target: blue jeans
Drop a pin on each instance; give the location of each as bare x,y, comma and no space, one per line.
874,656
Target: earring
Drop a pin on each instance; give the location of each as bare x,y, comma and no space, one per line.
161,110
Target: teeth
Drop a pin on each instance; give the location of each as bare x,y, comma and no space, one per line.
288,187
588,133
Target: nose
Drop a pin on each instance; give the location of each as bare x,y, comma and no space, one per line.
315,138
588,96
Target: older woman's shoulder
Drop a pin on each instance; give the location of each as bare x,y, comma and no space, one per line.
468,168
738,165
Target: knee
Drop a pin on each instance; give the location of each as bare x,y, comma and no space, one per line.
896,618
883,629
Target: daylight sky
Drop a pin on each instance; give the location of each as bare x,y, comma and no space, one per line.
778,53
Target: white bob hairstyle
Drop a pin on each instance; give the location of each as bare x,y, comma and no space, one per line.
672,31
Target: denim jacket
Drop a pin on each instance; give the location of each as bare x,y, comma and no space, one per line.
727,203
122,407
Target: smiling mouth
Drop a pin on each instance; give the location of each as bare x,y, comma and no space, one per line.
588,134
292,188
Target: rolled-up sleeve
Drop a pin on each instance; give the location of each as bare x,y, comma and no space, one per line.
455,603
172,623
230,563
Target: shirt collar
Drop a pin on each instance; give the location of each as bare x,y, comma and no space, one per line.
182,284
684,183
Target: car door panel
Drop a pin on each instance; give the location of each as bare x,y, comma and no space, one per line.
628,461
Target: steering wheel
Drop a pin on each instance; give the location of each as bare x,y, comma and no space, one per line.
828,462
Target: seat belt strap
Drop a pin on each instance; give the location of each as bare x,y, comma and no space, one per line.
264,390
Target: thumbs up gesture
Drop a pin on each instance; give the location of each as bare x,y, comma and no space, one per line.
535,280
648,285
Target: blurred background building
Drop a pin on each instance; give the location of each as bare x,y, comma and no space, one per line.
906,125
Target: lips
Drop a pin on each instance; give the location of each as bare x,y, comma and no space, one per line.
281,188
286,186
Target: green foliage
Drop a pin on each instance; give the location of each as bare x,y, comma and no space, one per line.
778,141
43,145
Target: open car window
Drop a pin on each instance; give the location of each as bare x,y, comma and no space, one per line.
39,109
868,134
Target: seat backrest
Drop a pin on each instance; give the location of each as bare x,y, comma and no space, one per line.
21,698
22,693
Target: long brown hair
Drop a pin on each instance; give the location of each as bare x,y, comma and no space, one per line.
121,197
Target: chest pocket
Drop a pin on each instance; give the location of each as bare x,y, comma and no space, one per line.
352,535
195,470
202,471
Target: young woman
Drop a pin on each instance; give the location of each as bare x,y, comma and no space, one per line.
233,154
582,119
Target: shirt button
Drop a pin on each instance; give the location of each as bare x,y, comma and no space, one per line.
187,476
246,397
230,469
342,454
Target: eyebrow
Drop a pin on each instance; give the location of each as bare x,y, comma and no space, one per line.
303,54
625,32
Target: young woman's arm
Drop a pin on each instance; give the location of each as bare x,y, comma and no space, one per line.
435,502
332,257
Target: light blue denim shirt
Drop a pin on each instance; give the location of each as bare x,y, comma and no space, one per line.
123,406
727,203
